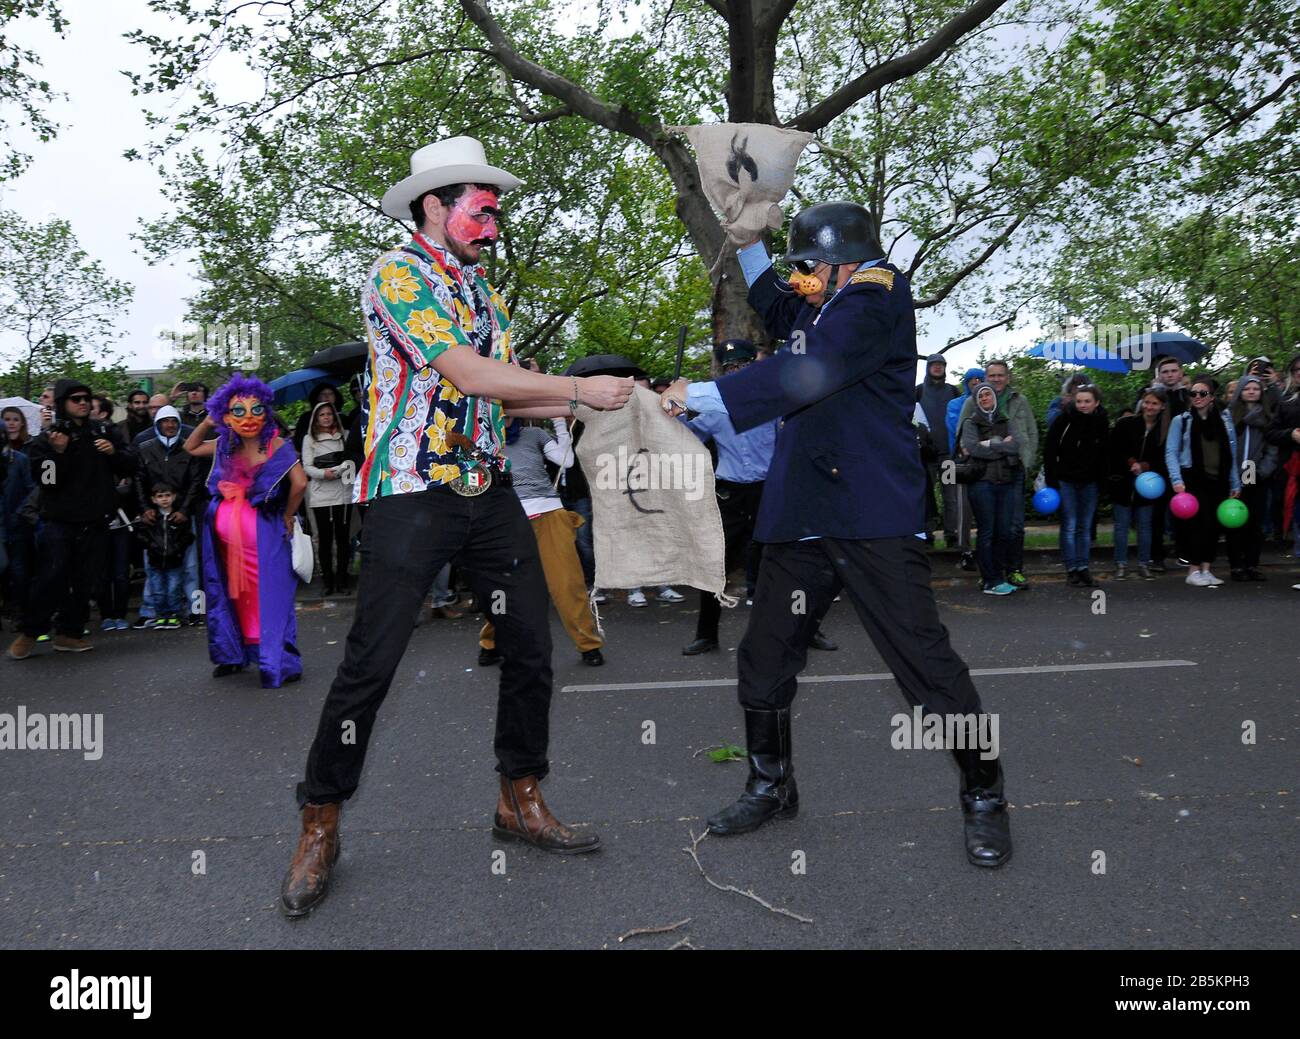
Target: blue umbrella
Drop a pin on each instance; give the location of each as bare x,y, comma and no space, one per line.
1163,344
1078,351
298,385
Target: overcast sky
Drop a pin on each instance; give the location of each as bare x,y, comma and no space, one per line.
82,177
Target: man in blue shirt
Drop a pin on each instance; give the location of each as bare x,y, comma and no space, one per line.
843,507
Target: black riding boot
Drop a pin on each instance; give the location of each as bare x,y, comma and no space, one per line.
988,826
771,789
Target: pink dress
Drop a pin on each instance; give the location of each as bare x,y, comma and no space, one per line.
237,532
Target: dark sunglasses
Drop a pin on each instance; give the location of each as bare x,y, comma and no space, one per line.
78,398
1201,393
239,411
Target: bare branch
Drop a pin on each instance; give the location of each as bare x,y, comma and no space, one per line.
905,65
694,854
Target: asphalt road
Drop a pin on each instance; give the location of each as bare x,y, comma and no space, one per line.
1200,839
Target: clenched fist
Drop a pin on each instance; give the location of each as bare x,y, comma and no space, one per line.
605,392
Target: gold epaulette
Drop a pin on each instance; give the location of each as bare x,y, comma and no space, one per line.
875,275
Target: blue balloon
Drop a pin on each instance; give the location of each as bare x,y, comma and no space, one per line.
1150,485
1047,501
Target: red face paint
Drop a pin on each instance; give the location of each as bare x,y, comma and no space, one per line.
473,218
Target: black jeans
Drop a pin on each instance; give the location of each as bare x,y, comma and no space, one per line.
888,581
407,539
115,578
69,560
1245,543
332,526
738,505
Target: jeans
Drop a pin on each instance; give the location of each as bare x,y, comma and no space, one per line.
994,507
190,568
69,560
1127,516
114,587
1016,547
166,590
1078,503
407,539
441,590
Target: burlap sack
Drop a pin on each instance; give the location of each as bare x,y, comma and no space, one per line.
745,170
655,514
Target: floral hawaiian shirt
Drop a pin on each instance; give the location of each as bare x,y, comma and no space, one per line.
419,301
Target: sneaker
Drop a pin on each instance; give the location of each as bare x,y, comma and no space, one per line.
636,598
21,647
1121,573
1085,579
1017,579
592,657
1144,572
1157,566
598,597
967,562
195,620
1210,579
144,623
122,624
67,644
489,657
43,638
999,589
1197,579
1183,562
172,624
108,624
1072,578
667,594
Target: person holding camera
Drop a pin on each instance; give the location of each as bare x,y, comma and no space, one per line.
76,463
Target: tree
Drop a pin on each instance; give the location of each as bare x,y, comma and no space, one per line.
19,85
55,301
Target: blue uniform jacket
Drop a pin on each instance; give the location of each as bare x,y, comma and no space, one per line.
846,463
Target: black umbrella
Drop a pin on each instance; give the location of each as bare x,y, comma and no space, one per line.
606,364
344,359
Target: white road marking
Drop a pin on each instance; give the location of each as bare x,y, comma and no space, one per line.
884,676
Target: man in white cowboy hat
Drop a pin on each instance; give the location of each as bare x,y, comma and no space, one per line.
441,379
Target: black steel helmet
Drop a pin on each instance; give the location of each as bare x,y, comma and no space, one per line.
734,351
834,233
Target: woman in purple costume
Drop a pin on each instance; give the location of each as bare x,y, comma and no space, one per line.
257,485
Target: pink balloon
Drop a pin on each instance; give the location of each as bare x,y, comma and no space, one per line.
1184,505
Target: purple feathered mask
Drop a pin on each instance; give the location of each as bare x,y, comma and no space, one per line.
219,403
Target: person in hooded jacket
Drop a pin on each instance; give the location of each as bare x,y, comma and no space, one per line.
986,437
1284,434
1201,456
934,394
1137,446
1252,409
16,534
163,459
1074,462
79,463
329,492
972,378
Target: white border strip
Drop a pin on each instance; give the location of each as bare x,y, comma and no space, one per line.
884,676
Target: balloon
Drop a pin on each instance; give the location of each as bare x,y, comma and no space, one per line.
1150,485
1184,505
1233,513
1047,501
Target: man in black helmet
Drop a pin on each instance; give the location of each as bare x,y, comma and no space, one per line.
842,508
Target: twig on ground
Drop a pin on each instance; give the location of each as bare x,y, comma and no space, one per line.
654,930
693,852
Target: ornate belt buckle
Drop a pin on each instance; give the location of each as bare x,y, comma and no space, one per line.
472,481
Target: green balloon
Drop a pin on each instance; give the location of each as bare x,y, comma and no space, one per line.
1233,513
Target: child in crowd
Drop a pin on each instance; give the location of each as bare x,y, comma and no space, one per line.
165,543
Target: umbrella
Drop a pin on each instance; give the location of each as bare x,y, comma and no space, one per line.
298,385
1077,351
343,359
1148,347
32,412
605,364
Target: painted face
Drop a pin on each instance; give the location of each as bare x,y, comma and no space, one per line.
473,219
246,416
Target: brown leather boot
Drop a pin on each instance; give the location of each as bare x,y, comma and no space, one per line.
522,815
318,849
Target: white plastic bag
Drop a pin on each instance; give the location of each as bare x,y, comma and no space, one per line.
304,559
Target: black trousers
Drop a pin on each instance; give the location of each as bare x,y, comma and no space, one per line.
1198,538
888,582
115,578
407,539
69,561
332,527
738,505
1245,543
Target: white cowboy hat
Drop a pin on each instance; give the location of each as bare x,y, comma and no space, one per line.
457,160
